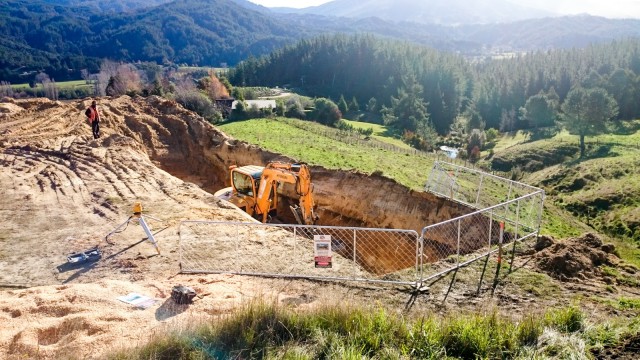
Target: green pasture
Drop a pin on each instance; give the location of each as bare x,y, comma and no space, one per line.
608,201
312,148
380,132
60,85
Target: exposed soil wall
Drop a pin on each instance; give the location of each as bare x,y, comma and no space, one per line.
202,154
198,152
184,145
62,192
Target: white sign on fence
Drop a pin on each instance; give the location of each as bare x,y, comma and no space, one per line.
322,251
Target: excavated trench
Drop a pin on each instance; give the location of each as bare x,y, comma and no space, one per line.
199,153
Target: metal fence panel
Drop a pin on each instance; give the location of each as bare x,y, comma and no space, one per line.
360,254
375,255
481,190
515,206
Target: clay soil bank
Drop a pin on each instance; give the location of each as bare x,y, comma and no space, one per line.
63,192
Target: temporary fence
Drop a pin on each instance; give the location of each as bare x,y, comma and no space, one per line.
481,190
508,212
326,252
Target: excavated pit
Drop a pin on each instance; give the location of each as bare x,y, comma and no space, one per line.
197,152
184,145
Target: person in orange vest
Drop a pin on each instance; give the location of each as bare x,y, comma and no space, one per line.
94,119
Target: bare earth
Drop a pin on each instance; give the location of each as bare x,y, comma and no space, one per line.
63,192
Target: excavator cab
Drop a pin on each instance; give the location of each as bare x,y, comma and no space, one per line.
255,190
244,183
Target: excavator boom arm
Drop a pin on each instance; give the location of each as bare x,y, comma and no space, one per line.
297,174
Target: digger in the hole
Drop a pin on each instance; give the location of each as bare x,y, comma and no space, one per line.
257,190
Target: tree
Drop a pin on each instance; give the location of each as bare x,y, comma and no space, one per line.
50,89
508,120
428,133
592,80
553,96
354,106
372,105
280,107
41,78
586,111
409,110
475,143
5,89
624,87
491,135
108,69
539,111
85,75
213,87
156,88
342,105
294,108
474,119
326,112
200,104
126,80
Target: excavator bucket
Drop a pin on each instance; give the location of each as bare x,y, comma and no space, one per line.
297,212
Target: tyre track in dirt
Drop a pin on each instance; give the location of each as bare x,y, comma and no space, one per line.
63,191
45,118
67,191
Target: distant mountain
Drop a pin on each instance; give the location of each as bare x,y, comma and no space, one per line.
73,34
550,33
483,39
110,5
61,37
446,12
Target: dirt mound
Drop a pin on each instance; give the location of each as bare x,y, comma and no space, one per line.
87,321
574,258
63,192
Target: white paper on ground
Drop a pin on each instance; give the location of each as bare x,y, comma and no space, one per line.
137,300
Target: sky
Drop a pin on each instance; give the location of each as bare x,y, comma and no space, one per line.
606,8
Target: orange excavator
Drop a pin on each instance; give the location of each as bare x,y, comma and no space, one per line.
259,190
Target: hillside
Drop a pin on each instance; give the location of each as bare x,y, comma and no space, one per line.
563,32
66,191
601,190
61,38
109,6
445,12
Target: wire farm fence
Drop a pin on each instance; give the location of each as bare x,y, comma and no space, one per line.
507,212
354,138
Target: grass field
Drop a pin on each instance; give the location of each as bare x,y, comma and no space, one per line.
600,191
380,132
60,85
625,134
611,168
309,147
304,144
